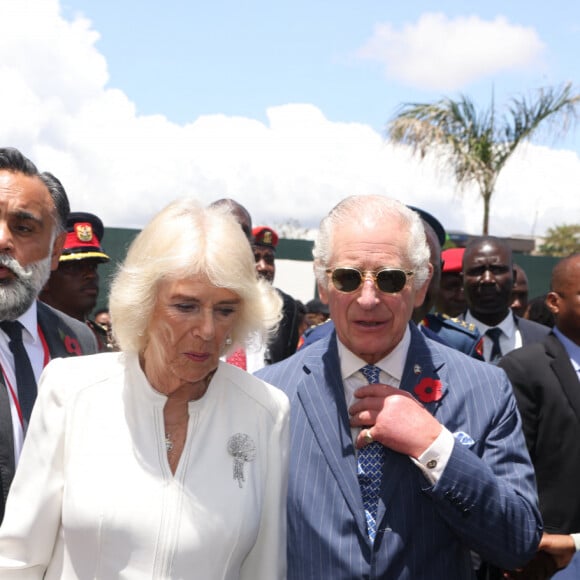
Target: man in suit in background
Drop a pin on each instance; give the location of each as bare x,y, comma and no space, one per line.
546,380
488,278
402,477
33,210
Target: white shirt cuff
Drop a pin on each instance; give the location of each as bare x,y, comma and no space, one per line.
433,460
576,538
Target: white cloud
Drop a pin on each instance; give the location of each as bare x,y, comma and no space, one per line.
57,108
439,53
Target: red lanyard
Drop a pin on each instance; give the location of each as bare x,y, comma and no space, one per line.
11,390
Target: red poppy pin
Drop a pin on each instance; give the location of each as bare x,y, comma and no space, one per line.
429,390
72,345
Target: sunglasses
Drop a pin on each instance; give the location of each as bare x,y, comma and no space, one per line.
388,280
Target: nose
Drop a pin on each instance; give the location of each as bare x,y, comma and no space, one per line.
487,277
206,328
368,295
6,242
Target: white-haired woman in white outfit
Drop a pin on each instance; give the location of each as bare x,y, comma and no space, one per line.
160,461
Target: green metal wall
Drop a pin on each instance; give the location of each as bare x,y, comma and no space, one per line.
117,240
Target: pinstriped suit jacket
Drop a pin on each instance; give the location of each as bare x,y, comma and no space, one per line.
485,500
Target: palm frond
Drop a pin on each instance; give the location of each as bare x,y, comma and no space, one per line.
470,142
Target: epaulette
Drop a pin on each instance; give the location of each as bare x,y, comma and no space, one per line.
457,323
313,327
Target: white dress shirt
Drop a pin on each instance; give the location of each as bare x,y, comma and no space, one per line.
510,338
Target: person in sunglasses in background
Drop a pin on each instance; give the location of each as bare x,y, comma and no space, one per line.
405,455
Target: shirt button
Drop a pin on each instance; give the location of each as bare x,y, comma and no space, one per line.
432,464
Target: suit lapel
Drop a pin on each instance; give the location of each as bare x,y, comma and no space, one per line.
321,394
54,331
564,371
421,366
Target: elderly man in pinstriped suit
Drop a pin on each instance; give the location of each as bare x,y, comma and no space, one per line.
404,478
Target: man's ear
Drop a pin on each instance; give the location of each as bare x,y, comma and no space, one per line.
57,250
322,293
421,293
553,302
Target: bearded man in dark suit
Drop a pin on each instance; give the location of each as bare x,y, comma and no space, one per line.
33,211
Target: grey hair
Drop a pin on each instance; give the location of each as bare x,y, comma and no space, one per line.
13,160
368,211
59,197
186,240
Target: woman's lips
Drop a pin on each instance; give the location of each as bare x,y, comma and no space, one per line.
198,356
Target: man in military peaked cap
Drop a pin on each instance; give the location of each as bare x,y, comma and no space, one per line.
264,245
73,288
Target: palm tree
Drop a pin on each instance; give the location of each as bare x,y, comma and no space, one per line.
473,143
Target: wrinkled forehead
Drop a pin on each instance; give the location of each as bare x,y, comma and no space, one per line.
23,195
371,247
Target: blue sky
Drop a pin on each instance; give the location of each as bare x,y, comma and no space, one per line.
281,105
184,59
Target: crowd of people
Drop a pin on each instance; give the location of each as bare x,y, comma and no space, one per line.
419,418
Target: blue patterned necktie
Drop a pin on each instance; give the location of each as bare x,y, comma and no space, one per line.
370,467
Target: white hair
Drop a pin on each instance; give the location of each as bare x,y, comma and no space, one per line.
183,240
369,211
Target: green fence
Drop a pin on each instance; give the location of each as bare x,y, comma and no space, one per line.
117,240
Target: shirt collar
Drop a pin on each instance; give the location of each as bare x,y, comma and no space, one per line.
507,325
393,363
572,348
30,322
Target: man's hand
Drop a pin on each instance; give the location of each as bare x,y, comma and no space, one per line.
395,419
560,546
554,553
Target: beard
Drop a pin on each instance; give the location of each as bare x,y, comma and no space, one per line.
18,294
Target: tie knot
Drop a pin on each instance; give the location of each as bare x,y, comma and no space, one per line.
12,328
371,373
493,333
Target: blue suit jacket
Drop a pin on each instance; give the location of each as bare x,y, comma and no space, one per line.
485,500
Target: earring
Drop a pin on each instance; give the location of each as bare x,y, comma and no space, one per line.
229,341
